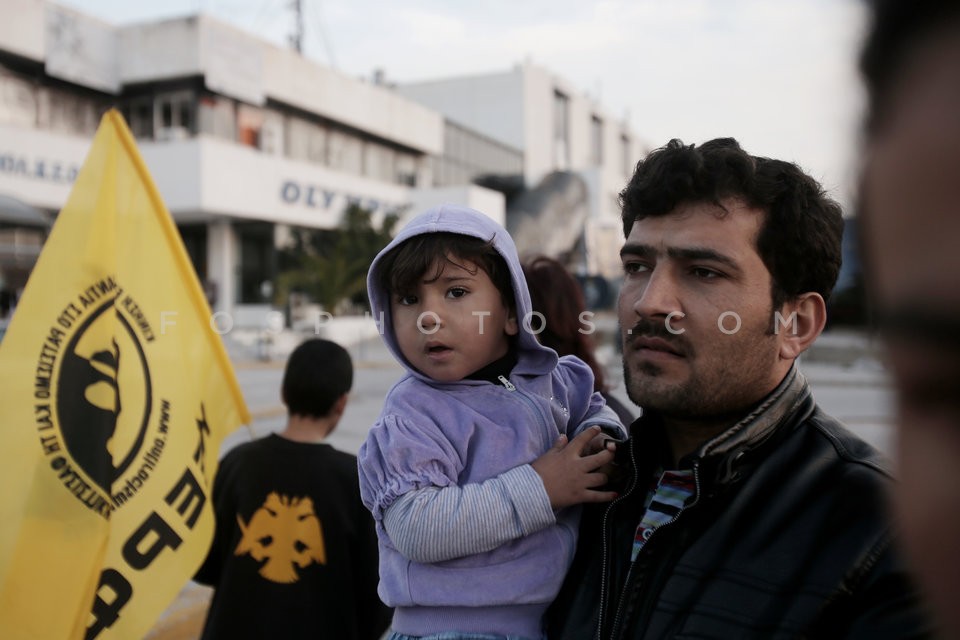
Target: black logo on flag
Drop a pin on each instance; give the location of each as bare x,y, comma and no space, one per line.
93,377
90,397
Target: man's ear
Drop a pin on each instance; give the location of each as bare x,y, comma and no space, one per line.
799,323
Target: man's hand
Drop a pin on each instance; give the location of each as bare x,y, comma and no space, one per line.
570,473
600,442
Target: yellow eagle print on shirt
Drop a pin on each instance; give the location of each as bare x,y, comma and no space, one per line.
286,533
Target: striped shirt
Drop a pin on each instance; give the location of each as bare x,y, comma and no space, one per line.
669,492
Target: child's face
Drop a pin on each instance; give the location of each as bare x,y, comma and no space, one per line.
450,327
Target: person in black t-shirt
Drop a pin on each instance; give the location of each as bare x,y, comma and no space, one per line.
294,554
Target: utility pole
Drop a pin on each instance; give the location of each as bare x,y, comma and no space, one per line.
296,40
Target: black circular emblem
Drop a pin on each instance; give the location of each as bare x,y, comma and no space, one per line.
103,376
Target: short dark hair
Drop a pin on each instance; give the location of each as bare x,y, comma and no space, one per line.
318,372
897,28
799,238
402,268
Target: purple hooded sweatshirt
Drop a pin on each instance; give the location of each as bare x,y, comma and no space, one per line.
475,545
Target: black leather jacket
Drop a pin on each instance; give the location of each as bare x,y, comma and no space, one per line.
786,537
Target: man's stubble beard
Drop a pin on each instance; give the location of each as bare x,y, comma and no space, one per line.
679,400
720,391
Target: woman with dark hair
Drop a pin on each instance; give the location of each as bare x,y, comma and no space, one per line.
557,296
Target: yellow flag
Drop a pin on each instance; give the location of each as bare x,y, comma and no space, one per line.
116,393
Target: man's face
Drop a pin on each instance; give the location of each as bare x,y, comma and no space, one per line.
912,233
695,308
454,324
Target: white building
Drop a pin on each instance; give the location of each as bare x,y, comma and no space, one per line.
247,140
244,139
558,129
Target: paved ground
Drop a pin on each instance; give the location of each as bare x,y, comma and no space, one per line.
844,372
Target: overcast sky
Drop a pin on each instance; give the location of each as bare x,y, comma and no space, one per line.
780,75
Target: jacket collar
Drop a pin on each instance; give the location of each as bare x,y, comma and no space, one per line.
724,453
757,425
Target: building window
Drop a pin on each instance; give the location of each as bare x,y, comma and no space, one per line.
271,133
468,155
176,115
139,117
217,117
249,125
379,161
18,100
406,169
561,130
166,116
306,140
67,112
345,152
596,140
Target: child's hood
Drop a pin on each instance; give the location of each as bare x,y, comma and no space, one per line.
534,358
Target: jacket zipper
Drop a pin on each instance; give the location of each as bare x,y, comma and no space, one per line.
604,576
534,408
626,583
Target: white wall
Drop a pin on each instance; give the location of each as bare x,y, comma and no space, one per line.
297,81
176,169
159,50
214,177
81,49
197,178
72,45
603,248
482,199
233,61
22,28
540,153
230,60
242,66
489,103
39,167
516,108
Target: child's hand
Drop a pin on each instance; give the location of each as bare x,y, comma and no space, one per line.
570,473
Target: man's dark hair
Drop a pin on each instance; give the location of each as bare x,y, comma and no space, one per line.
799,238
318,372
897,28
406,265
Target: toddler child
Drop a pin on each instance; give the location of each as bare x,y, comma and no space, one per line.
468,472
